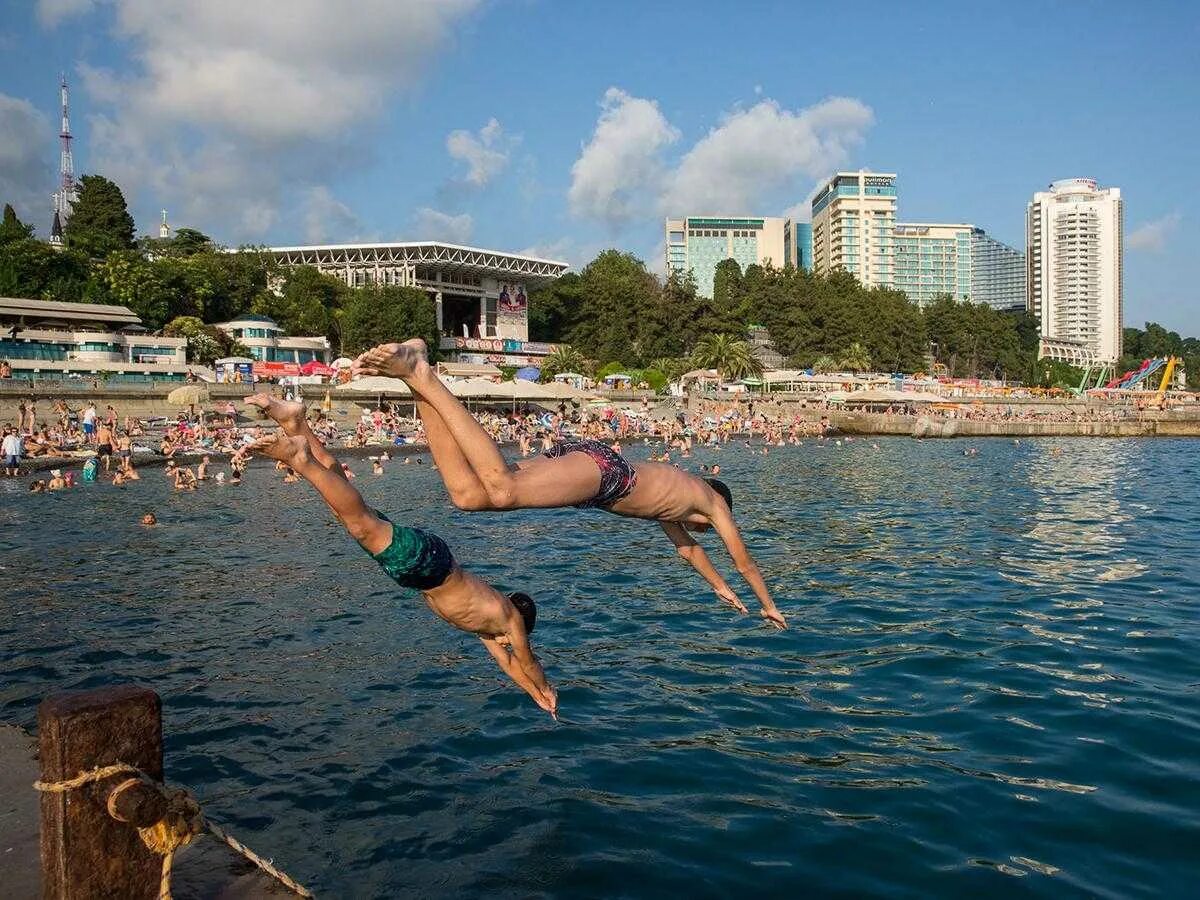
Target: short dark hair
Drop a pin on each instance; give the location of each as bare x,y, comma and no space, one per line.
526,607
723,489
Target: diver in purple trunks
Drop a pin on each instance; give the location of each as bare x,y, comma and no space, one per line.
572,473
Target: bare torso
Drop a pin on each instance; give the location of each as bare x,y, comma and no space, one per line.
666,494
469,603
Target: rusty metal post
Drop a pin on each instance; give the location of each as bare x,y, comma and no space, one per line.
87,854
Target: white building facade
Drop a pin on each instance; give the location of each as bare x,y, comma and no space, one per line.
1075,248
853,218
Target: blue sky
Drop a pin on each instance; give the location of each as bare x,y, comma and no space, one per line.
564,128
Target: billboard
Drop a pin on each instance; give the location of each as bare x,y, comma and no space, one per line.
513,300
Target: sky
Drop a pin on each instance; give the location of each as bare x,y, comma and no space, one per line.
563,128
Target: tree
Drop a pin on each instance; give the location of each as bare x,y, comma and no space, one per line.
12,228
824,365
732,358
564,358
615,290
132,280
381,314
554,309
100,222
856,358
32,268
728,313
206,343
308,303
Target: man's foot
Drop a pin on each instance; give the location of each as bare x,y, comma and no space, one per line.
289,415
407,360
292,451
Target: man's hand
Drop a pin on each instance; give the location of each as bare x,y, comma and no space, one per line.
729,597
774,616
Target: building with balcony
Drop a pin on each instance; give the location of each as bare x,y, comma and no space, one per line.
997,273
1074,259
49,339
852,220
929,260
265,341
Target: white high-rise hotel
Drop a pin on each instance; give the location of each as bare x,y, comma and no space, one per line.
1074,248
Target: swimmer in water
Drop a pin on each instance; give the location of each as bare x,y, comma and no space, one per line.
412,557
149,519
580,473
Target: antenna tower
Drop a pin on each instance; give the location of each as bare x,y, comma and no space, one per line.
67,194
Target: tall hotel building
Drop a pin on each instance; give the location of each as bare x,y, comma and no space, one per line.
698,243
1074,245
852,221
929,260
997,272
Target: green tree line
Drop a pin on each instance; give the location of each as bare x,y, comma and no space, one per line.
185,283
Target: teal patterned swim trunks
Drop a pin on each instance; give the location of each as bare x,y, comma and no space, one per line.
415,559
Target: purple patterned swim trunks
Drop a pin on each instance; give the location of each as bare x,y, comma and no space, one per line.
617,476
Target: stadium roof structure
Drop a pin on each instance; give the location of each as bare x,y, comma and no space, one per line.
444,257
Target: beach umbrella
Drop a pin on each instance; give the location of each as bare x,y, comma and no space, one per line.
528,373
188,395
375,384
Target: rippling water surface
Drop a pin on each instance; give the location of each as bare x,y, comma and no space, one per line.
991,684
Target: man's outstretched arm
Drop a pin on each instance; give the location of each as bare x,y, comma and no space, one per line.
722,521
688,549
546,699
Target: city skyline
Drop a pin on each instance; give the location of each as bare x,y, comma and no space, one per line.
323,140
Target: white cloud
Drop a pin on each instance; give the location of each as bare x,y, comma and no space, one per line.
434,225
326,218
755,155
26,167
51,12
233,111
620,169
753,158
486,154
1152,236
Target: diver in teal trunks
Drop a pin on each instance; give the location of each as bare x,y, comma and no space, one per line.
413,558
573,473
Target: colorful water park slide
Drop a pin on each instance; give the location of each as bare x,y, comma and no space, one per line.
1131,378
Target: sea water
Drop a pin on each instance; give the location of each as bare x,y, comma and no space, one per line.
991,683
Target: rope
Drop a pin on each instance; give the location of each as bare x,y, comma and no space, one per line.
183,821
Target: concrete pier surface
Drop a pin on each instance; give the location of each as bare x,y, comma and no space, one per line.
204,870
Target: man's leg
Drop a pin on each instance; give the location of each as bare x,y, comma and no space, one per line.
571,479
291,417
362,522
465,489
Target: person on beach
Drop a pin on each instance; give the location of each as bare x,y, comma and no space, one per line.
580,473
10,449
411,557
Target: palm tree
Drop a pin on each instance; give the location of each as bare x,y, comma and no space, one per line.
564,358
856,358
824,365
671,366
732,358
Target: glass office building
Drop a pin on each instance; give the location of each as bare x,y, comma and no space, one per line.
698,243
997,272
